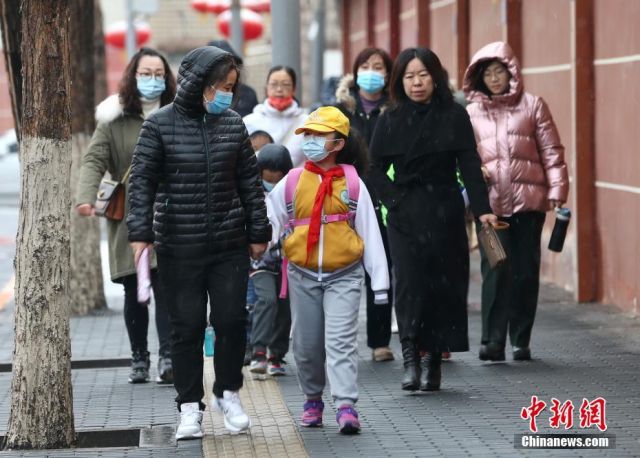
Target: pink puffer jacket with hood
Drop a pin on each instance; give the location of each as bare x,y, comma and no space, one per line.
518,141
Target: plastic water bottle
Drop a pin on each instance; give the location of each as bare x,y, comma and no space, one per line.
209,339
556,242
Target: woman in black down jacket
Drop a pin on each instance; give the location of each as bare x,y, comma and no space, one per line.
424,136
195,193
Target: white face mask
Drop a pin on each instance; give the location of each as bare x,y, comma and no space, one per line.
313,147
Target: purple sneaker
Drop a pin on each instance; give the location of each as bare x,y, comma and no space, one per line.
347,418
312,415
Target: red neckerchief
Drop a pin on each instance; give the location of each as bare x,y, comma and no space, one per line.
324,190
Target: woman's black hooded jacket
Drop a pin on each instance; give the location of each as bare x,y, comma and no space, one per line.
194,187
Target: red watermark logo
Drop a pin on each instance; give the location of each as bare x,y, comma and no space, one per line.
591,413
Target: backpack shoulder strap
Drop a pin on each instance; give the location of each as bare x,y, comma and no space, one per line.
290,188
353,185
290,185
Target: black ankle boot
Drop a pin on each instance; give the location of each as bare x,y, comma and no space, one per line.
430,364
491,352
411,377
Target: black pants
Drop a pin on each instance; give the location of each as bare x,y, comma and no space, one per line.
378,318
136,316
379,315
271,316
431,282
510,292
187,284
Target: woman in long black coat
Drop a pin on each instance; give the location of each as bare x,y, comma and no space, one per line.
423,137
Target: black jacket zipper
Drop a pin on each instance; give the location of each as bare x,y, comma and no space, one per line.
206,149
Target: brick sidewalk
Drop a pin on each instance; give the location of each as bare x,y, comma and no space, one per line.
273,430
580,351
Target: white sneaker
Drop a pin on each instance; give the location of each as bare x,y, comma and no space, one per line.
190,426
258,366
235,420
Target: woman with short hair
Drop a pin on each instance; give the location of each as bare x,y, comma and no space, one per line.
196,194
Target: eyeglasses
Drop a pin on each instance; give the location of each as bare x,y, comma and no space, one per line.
146,77
280,85
498,72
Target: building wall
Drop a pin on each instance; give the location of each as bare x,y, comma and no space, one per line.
443,19
357,26
486,24
546,66
408,23
543,32
617,93
382,27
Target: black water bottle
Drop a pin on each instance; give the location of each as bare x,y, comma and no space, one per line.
563,216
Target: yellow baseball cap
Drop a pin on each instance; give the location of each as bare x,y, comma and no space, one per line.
325,120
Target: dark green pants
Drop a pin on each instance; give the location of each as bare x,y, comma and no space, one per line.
510,292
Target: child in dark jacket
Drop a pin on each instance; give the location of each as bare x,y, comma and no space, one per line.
271,314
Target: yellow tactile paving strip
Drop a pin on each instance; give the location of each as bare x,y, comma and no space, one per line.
273,432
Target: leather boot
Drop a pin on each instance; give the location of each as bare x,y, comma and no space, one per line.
491,352
430,364
411,377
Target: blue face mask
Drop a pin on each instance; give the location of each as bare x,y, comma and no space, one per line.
370,81
150,89
268,186
313,147
221,101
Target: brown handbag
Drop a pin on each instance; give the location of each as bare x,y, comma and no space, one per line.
491,245
110,199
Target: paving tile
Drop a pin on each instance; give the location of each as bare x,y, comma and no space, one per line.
579,351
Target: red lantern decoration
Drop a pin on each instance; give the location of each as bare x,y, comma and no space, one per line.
116,34
199,5
251,24
259,6
218,6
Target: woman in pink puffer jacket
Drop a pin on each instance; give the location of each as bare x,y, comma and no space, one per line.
523,163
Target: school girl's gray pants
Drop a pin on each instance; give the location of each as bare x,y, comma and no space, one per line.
325,328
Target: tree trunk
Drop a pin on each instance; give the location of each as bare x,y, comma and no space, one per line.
86,289
11,35
100,60
41,395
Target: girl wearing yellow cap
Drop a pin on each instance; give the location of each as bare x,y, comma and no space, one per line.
331,237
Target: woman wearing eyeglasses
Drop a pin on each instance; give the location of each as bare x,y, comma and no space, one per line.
524,166
147,84
279,115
